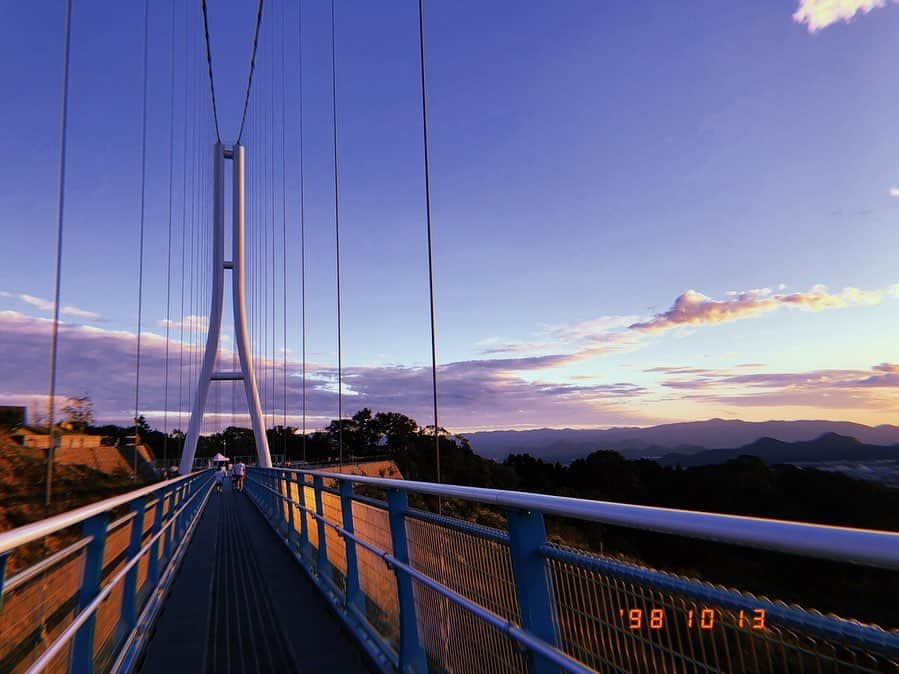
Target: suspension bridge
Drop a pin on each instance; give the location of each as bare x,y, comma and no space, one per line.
319,570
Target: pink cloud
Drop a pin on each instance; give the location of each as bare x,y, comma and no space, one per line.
694,308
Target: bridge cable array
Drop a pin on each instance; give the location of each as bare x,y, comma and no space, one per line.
187,218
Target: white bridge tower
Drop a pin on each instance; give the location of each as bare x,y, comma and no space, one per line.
236,266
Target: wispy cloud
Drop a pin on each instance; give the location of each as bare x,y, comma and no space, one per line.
894,191
872,388
694,308
189,323
819,14
46,305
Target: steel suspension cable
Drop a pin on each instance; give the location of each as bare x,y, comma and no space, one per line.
246,100
194,277
168,274
215,116
283,233
60,210
264,259
140,245
272,361
427,172
337,240
433,323
302,215
182,275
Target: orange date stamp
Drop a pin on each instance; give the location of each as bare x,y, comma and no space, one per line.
704,619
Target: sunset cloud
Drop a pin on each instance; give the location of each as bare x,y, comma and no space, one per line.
819,14
101,363
694,308
513,384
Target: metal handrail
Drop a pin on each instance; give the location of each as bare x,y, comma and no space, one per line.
27,574
10,540
69,632
867,547
514,631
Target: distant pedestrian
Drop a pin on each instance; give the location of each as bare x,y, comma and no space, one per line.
240,471
219,479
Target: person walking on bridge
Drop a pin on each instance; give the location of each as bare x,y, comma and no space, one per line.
240,471
220,478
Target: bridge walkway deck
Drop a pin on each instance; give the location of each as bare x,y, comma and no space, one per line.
241,604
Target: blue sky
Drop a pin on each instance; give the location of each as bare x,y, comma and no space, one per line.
591,164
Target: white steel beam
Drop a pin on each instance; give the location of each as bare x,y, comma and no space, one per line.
207,371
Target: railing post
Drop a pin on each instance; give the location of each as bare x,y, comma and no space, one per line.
82,657
276,502
291,526
353,595
178,527
169,534
304,531
153,555
283,521
324,566
3,558
527,533
267,495
129,593
412,654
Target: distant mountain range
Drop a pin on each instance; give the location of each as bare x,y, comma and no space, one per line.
828,447
687,438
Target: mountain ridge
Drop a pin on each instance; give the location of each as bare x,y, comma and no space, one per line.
829,447
688,437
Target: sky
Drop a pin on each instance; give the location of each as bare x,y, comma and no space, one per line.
642,212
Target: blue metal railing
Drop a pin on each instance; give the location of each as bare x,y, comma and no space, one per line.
425,592
87,606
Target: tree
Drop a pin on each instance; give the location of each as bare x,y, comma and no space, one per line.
79,412
397,428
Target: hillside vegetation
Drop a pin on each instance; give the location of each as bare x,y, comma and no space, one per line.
22,475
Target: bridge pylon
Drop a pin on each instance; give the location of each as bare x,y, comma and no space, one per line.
236,266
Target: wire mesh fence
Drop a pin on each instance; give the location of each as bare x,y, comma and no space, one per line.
467,589
93,591
36,611
614,617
